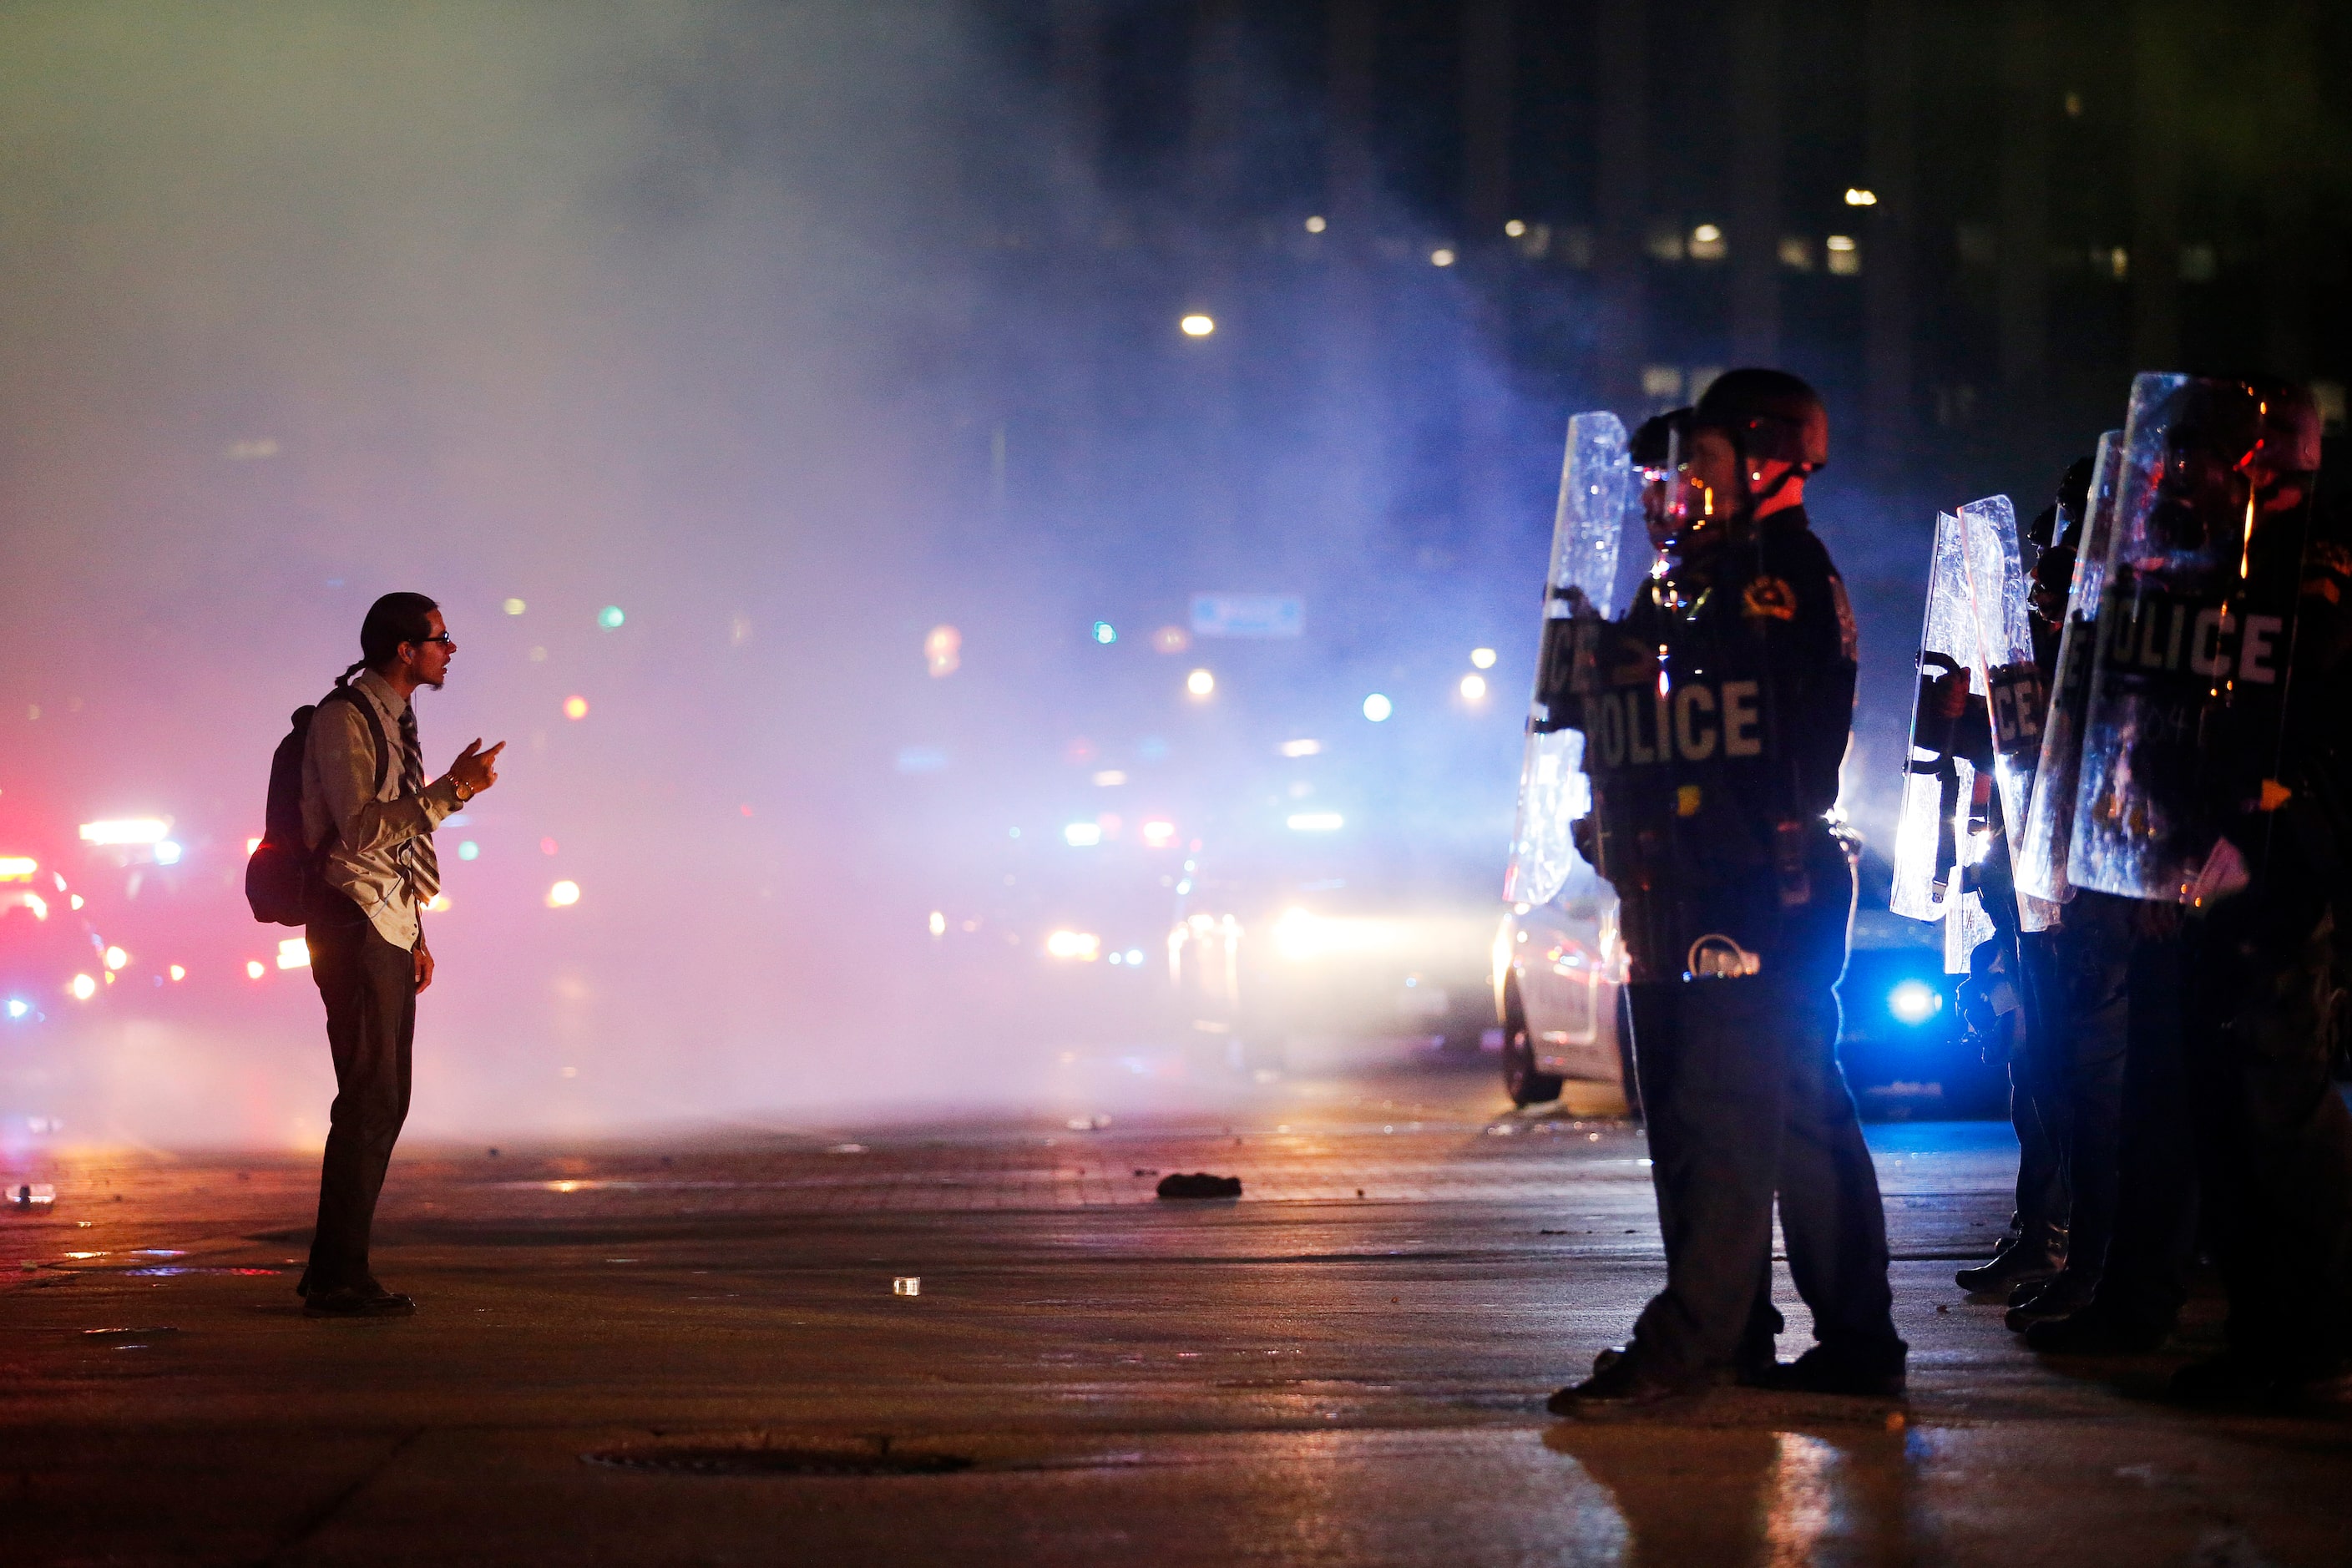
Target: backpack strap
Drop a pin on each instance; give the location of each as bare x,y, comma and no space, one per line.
382,740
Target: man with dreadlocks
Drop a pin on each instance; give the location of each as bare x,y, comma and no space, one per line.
368,817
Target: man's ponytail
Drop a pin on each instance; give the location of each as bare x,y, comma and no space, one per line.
345,678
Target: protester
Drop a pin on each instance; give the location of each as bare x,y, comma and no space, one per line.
368,817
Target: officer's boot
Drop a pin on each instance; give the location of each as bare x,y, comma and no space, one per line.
2019,1260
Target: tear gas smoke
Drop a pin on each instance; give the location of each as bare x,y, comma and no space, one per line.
773,414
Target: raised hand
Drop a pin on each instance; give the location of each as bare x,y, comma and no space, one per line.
477,770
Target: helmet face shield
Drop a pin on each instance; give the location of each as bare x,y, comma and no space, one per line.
1688,508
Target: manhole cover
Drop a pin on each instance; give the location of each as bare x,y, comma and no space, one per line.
747,1459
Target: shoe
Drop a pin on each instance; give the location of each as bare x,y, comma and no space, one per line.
1823,1371
2061,1295
368,1287
2012,1263
2094,1332
356,1302
1621,1382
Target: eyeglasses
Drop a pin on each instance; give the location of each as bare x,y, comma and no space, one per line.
445,639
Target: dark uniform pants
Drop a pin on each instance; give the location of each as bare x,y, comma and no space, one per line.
2080,1013
2274,1145
2155,1241
370,989
2038,1109
1744,1095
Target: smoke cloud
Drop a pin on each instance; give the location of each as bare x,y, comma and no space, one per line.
700,360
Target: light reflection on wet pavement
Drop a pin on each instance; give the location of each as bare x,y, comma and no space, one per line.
1086,1373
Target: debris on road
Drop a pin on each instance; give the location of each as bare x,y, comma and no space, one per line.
1199,1185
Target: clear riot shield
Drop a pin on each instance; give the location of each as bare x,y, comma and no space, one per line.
2004,670
2182,730
1594,481
1937,781
1975,625
2041,850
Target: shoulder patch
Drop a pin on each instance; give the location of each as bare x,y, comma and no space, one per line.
1769,598
1849,635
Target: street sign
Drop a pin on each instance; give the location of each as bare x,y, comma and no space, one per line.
1248,614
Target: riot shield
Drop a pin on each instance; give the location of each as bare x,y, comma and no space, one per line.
1937,779
2011,681
1594,478
2182,730
2041,850
1974,627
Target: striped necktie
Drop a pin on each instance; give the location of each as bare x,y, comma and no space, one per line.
423,864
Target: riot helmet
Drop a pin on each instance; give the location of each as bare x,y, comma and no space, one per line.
2231,451
1766,418
2059,532
2059,525
1659,448
1771,415
1658,442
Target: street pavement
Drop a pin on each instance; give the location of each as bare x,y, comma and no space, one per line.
695,1349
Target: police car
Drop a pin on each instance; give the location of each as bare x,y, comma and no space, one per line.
1559,971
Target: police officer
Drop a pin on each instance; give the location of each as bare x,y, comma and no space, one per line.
2101,1052
1715,714
2274,1145
1997,1000
1657,451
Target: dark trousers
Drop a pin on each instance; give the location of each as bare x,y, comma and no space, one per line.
2037,1115
1745,1099
2274,1144
2155,1243
2079,1012
370,989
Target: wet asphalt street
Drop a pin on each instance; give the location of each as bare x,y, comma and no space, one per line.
691,1351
